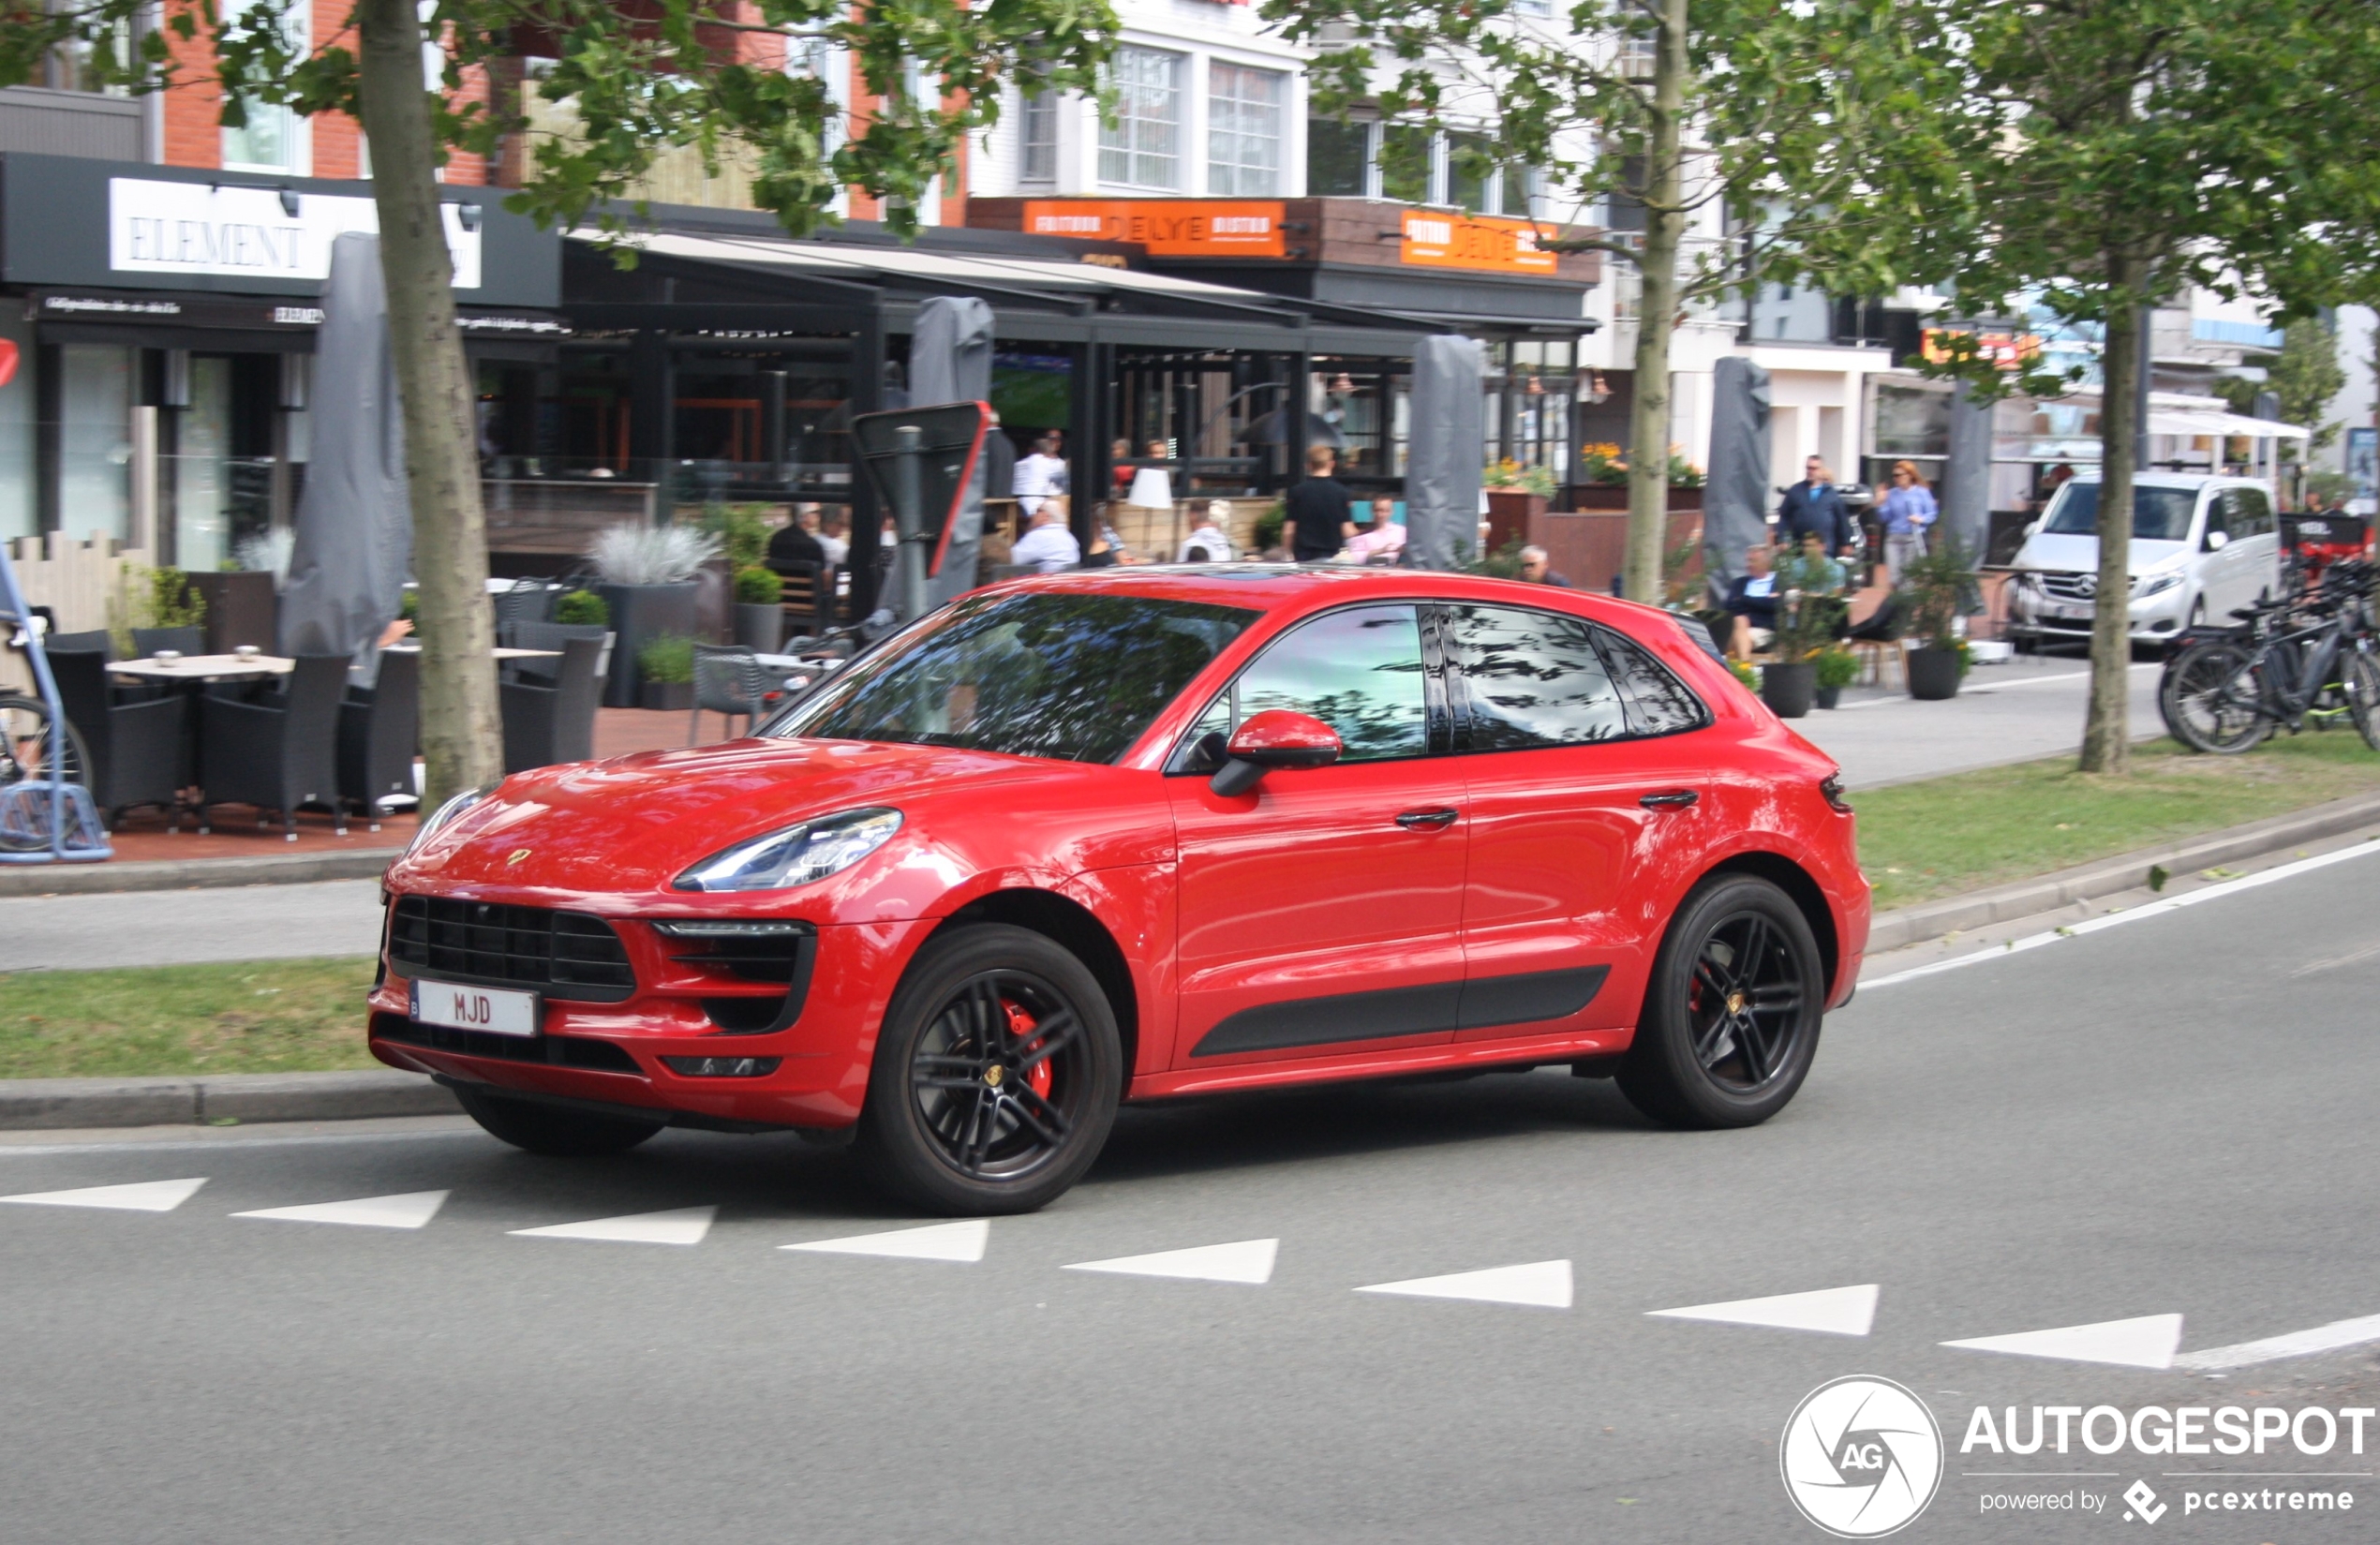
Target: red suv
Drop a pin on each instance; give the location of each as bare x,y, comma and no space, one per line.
1132,834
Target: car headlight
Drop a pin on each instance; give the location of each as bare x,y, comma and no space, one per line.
446,814
2157,584
794,855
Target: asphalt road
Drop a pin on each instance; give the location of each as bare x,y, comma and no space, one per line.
2172,1116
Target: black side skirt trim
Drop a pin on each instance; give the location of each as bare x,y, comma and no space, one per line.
1435,1008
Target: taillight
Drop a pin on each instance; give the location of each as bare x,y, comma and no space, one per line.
1832,787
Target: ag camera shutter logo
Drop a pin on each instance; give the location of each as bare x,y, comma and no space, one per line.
1862,1457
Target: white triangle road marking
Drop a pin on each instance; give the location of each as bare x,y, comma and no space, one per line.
1247,1261
2336,1336
407,1210
1539,1284
679,1225
2147,1342
140,1196
963,1240
1831,1311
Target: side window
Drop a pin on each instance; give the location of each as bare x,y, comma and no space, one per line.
2218,514
1358,670
2251,513
1657,701
1532,679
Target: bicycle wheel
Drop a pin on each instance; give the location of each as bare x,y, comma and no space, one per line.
34,746
2209,700
2362,684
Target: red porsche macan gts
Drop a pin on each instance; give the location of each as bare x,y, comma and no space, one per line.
1141,833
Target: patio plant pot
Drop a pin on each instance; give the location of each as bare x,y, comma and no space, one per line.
671,697
1604,497
1933,674
1828,697
760,627
640,614
1786,689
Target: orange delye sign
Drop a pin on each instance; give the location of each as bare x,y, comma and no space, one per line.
1446,240
1168,228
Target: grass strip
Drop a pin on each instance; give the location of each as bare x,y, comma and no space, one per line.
1946,835
248,1016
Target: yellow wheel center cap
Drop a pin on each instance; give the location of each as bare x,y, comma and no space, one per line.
993,1074
1734,1002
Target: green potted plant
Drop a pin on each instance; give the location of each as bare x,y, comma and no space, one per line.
1940,588
760,609
1809,610
666,667
1269,528
1838,668
645,576
582,609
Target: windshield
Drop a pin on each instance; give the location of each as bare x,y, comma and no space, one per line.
1076,677
2157,515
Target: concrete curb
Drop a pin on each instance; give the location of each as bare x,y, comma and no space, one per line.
195,874
48,1104
2128,871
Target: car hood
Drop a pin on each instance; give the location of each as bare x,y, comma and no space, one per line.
2064,553
633,824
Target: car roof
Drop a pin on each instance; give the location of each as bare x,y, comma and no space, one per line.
2175,480
1303,588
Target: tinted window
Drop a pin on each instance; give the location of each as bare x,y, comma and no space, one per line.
2157,515
1657,701
2251,513
1532,679
1358,670
1076,677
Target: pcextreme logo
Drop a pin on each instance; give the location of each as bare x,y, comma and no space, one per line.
1861,1457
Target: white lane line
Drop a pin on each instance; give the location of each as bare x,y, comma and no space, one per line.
2333,1337
2154,909
407,1210
677,1226
1538,1285
2147,1342
221,1145
1829,1310
140,1196
1248,1261
962,1242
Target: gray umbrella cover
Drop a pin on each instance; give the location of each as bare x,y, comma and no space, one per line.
950,361
1736,496
1446,453
354,530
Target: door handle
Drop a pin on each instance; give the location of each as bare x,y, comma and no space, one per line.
1676,801
1437,820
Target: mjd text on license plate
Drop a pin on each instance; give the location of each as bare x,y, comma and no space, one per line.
488,1009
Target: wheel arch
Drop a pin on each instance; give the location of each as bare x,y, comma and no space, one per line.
1802,889
1078,930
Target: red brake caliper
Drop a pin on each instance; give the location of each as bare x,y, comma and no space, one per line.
1039,1077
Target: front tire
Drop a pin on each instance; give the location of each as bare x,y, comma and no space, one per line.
556,1130
996,1077
1731,1014
2210,700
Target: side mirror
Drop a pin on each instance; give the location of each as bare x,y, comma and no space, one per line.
1273,739
2218,541
2032,528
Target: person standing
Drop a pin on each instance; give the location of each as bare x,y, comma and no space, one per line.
1039,475
1815,505
1909,511
1317,509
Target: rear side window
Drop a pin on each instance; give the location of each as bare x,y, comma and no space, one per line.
1657,701
1532,679
2251,513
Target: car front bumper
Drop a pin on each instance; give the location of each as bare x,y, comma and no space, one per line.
2031,612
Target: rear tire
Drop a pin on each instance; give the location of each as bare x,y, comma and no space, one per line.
996,1077
555,1131
1732,1012
2209,700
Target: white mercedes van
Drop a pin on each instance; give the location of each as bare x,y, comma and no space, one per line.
2200,546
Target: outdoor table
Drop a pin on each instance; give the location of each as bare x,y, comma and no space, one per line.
205,667
498,653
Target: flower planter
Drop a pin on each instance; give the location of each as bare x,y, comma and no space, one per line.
1786,689
1933,674
674,697
1512,514
760,627
1829,697
1614,496
640,614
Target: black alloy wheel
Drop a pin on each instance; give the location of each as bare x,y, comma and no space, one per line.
997,1076
1731,1014
2209,700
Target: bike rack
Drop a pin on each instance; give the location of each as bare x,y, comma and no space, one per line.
77,834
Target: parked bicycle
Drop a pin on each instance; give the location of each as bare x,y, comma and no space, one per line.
2294,663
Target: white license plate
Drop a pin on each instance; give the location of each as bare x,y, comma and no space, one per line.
491,1010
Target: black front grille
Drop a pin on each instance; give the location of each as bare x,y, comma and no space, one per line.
565,955
579,1051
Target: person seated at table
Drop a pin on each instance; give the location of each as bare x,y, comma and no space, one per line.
1048,545
1208,543
1838,572
797,543
835,536
1383,538
1751,600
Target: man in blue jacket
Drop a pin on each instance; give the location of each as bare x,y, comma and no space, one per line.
1814,507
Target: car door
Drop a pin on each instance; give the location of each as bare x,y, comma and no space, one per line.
1582,803
1321,913
2218,565
2255,532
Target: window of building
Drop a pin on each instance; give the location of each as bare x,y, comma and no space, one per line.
273,137
1142,147
1406,163
95,440
1037,138
74,66
1338,158
1244,130
1469,171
